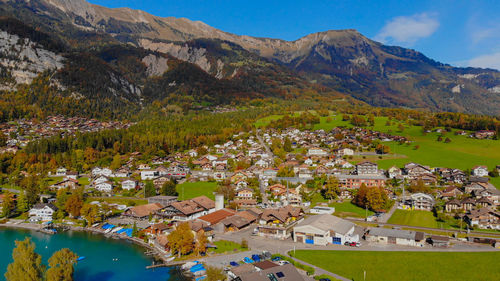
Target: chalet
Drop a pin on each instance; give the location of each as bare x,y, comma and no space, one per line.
394,236
468,204
453,205
129,184
480,171
214,218
142,211
413,170
162,199
245,193
99,179
106,186
97,171
188,209
484,218
123,172
239,176
160,181
324,229
345,152
241,184
450,192
278,223
67,183
318,152
366,168
484,134
60,172
149,174
421,201
71,175
261,163
393,172
157,229
143,167
42,212
355,181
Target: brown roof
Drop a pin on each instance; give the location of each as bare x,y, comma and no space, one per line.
205,202
162,240
265,264
187,207
243,269
217,216
249,215
144,210
236,221
159,226
288,273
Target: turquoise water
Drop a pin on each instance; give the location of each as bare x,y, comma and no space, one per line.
106,259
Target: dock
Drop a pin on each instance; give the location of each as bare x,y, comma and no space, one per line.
168,264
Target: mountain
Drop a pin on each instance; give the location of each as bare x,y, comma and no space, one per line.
342,60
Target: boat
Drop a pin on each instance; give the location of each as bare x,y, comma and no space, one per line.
116,229
108,230
200,278
80,258
188,265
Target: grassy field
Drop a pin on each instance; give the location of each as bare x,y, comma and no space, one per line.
462,152
118,200
414,218
190,190
347,209
224,246
406,265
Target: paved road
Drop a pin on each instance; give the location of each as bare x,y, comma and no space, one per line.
385,217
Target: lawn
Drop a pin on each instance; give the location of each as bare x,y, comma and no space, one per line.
405,265
262,122
414,218
462,152
347,209
83,181
190,190
224,246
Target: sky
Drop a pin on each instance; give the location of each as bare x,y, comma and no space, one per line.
460,32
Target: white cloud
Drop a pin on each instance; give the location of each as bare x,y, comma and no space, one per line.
486,61
408,29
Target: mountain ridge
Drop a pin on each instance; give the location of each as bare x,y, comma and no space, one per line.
343,60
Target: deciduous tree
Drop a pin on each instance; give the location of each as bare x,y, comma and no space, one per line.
61,266
26,265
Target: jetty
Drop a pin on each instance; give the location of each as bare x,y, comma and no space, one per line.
168,264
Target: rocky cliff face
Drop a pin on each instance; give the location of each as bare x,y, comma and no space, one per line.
343,60
23,59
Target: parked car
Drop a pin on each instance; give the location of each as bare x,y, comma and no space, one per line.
276,259
233,263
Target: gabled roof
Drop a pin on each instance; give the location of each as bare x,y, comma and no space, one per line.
145,210
217,216
204,202
327,222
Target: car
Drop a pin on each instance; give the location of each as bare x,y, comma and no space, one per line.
346,243
324,279
358,244
352,244
233,263
276,259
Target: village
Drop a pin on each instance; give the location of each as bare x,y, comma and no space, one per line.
275,190
20,132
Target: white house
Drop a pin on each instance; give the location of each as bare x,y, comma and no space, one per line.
345,152
42,212
100,179
61,171
97,171
324,230
317,152
149,174
104,186
129,184
262,163
480,171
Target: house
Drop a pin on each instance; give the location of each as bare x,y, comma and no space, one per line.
241,184
262,163
366,168
483,134
188,209
393,172
157,229
123,172
414,170
71,175
160,181
420,201
355,181
142,211
451,192
394,236
106,186
42,212
483,218
480,171
452,205
278,223
60,172
318,152
100,179
149,174
323,230
67,183
129,184
345,152
235,223
468,204
245,193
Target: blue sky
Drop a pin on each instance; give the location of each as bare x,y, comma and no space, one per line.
461,32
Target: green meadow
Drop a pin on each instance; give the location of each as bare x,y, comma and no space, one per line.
414,218
348,209
190,190
462,152
402,266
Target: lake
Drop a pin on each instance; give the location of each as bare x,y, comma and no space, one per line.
106,259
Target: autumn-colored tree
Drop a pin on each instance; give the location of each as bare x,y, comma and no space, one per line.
201,242
331,189
22,202
360,198
215,273
91,213
26,265
8,205
61,266
181,239
74,205
168,188
116,163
